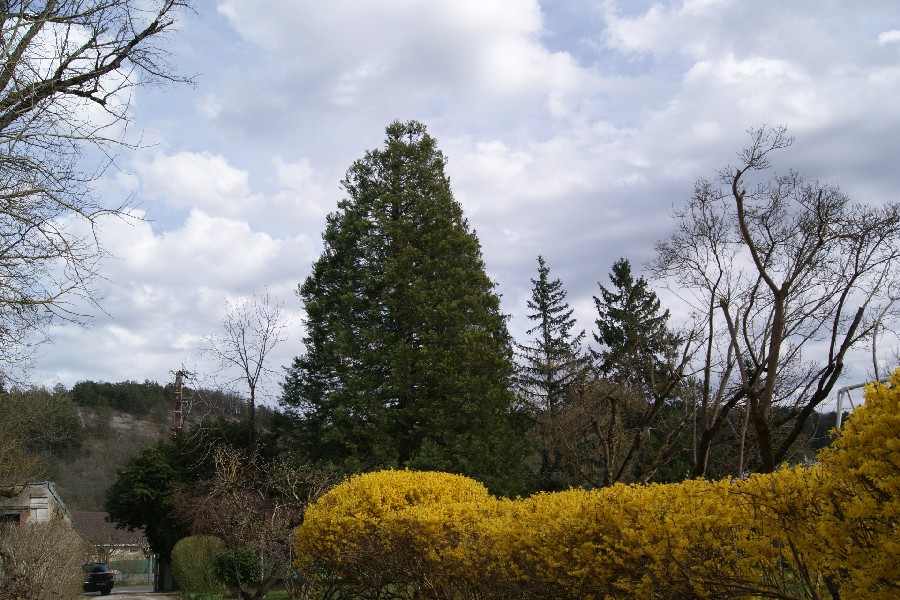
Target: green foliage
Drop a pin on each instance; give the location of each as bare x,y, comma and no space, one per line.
634,413
408,360
551,364
138,497
193,564
553,361
237,567
46,419
146,489
631,328
139,399
39,430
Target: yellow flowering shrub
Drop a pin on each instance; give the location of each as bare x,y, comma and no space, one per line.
858,536
829,530
380,529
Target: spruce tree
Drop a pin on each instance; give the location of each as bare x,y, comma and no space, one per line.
643,406
408,361
632,329
553,360
550,364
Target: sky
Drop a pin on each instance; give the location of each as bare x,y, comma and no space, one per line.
572,129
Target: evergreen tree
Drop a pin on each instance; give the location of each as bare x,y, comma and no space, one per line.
408,360
641,412
549,366
553,360
632,333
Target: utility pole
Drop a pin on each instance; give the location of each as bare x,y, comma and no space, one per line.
177,414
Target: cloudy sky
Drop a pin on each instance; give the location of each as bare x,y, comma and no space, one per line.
572,129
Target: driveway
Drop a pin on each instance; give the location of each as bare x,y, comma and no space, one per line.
135,592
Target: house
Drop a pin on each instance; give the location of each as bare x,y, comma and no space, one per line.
110,544
32,503
126,552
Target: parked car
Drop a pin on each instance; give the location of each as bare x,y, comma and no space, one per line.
97,578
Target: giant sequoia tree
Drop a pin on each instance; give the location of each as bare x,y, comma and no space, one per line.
408,360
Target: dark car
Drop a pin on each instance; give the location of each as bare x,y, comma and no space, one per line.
97,578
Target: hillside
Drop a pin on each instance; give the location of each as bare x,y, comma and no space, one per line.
79,438
111,438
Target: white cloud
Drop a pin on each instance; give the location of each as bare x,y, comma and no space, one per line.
686,28
188,179
206,251
889,37
210,106
571,130
373,54
163,293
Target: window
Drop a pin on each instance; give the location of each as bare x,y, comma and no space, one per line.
40,508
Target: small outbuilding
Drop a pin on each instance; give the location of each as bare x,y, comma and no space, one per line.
32,503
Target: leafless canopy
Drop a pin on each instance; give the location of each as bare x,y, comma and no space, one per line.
253,504
251,329
66,71
787,275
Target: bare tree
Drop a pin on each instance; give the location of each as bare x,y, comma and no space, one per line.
788,276
255,505
251,329
66,72
41,561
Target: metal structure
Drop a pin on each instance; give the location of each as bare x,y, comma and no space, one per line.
845,391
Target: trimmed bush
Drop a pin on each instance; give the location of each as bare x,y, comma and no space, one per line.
237,567
193,564
823,531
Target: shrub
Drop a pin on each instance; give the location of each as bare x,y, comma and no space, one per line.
367,532
237,567
859,529
829,529
41,561
192,564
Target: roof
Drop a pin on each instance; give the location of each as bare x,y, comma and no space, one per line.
21,488
95,529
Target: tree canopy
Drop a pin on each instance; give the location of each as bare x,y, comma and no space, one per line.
151,485
407,360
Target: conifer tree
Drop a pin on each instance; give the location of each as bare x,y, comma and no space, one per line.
549,366
629,411
553,359
631,329
408,361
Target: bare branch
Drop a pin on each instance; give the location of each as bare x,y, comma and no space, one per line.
251,328
66,72
801,276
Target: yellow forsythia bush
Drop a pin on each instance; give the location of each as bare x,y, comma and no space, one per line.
859,535
826,531
380,529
